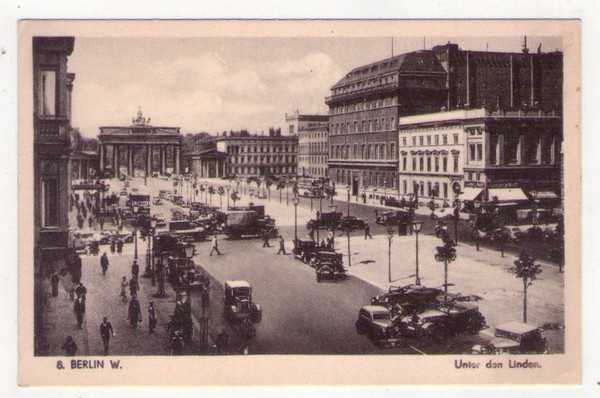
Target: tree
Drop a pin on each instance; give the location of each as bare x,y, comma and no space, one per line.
221,192
235,197
446,254
526,269
280,186
211,192
268,184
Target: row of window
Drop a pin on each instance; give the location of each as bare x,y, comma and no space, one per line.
235,149
312,147
312,136
423,140
263,159
257,170
312,159
426,189
364,151
368,178
364,126
313,171
364,105
425,163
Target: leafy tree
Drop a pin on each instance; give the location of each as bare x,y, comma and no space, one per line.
221,192
446,254
268,184
211,192
234,197
526,269
280,187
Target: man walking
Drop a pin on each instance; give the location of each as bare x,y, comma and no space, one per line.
104,263
79,309
368,231
215,246
266,238
135,269
133,286
281,246
106,330
120,246
152,321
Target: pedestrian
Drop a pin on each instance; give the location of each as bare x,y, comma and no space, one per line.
135,269
113,246
281,246
266,238
215,246
134,313
54,280
91,222
70,347
368,231
101,221
133,286
176,344
124,285
106,331
79,309
81,290
120,246
120,227
104,263
152,321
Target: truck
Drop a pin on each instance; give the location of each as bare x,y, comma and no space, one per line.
188,231
240,223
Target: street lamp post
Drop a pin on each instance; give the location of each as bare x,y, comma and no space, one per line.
416,226
151,233
348,202
251,192
333,209
296,200
390,232
456,217
135,212
227,188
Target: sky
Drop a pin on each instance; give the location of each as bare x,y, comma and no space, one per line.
222,84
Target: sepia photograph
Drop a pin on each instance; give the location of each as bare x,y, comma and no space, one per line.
276,191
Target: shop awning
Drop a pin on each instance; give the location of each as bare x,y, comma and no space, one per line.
507,194
470,194
544,195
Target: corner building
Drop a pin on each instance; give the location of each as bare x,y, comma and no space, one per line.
365,105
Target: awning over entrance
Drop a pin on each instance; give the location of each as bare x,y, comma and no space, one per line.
470,194
544,195
507,194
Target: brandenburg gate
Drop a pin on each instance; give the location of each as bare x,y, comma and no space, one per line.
161,147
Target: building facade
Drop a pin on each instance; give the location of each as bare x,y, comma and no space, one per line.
498,156
313,151
206,164
260,155
160,146
365,105
297,122
52,86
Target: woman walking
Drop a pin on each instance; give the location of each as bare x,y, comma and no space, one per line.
124,286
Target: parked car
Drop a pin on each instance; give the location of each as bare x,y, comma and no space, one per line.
329,265
305,250
157,201
514,338
237,303
352,223
392,217
376,323
410,298
325,220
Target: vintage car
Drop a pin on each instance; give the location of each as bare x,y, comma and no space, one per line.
328,265
352,223
305,250
114,235
237,303
514,338
392,217
161,221
325,220
376,323
157,201
407,299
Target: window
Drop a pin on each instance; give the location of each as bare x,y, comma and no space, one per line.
511,149
421,161
470,174
376,151
444,139
421,140
403,141
422,188
393,151
382,151
472,154
370,125
48,93
355,127
531,149
414,141
428,188
456,163
50,202
428,163
403,163
478,176
392,122
428,140
355,151
437,140
456,138
437,164
363,127
445,190
404,186
291,129
480,152
494,149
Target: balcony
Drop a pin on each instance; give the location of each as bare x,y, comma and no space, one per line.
51,129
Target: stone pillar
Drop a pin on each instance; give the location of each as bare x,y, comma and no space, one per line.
79,169
129,160
102,155
163,159
147,149
176,160
116,160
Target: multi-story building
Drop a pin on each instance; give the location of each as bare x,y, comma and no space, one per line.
297,122
364,106
500,156
52,86
260,155
312,149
